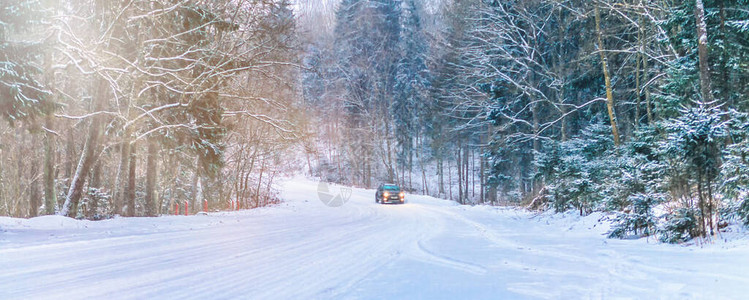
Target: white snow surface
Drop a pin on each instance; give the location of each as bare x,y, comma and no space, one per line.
301,249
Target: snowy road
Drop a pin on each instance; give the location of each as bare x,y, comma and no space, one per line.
302,249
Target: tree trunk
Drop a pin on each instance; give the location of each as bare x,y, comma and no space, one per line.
482,181
21,184
176,169
130,193
3,199
151,176
460,176
536,141
441,175
701,204
645,73
725,74
70,207
34,195
421,166
465,174
563,112
560,72
368,182
410,168
120,188
449,180
70,153
648,105
607,77
472,170
95,183
259,182
196,189
50,195
246,190
88,156
638,87
712,207
705,85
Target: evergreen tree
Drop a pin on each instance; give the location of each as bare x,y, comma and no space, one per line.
697,139
23,94
411,84
734,177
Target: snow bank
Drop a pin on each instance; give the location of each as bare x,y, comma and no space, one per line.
42,223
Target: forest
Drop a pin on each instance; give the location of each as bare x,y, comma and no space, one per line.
637,108
132,107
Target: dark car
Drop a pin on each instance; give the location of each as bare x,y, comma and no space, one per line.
389,193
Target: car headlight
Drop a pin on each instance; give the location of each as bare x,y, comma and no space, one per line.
402,194
386,194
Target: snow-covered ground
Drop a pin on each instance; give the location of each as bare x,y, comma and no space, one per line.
303,249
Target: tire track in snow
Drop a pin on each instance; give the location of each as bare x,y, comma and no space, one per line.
303,251
139,255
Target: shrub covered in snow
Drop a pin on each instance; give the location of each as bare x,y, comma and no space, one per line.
680,226
639,219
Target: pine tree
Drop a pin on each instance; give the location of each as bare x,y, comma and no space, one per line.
411,84
23,95
697,139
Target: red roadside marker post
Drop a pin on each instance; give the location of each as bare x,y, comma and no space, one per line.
185,207
205,205
176,208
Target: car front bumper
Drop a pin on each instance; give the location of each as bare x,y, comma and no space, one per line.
393,200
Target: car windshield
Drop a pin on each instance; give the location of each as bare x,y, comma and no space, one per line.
391,187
